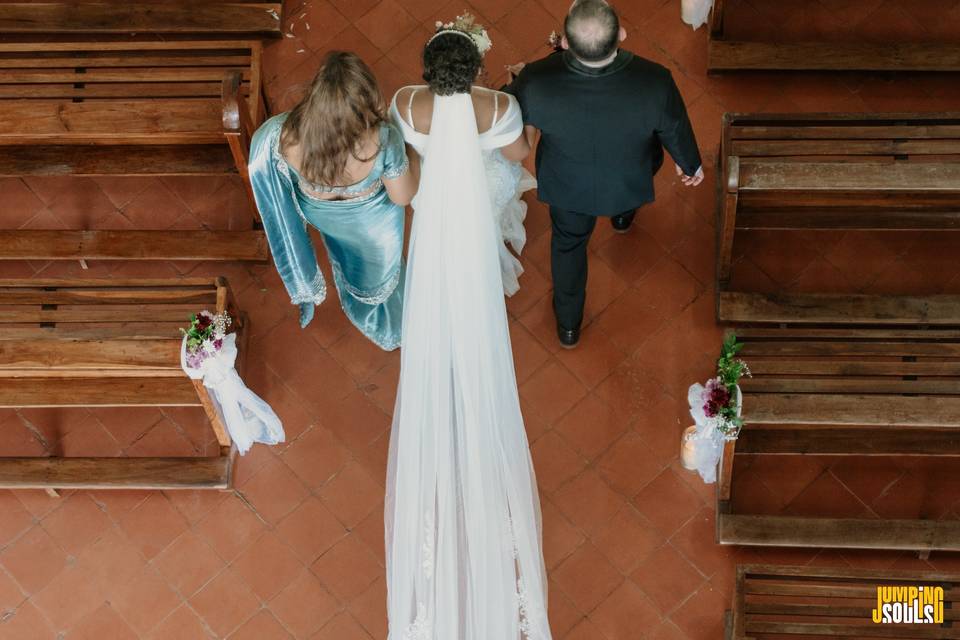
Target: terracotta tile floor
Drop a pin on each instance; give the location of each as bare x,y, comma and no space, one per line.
296,550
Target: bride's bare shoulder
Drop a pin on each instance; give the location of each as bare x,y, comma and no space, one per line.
403,94
415,105
488,105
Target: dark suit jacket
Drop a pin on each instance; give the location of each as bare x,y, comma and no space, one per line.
603,130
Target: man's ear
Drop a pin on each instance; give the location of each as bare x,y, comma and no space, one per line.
622,35
564,44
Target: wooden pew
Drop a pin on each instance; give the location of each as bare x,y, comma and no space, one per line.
109,343
771,602
35,244
844,375
130,108
171,18
836,171
725,54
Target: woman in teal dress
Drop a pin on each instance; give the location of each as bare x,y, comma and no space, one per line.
335,162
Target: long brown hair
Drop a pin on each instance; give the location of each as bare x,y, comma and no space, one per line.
342,105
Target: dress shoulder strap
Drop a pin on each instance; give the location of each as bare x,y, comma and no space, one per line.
410,108
496,108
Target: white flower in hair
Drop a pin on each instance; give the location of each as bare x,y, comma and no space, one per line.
466,24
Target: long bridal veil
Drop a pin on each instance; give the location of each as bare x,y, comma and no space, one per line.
464,557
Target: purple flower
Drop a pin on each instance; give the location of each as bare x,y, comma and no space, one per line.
217,344
716,397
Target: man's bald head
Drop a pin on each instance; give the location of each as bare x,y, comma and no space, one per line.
592,29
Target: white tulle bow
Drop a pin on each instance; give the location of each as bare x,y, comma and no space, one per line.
247,417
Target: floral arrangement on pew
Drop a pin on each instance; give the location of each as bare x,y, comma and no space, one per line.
209,353
204,337
715,408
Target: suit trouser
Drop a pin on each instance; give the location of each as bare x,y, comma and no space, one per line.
568,263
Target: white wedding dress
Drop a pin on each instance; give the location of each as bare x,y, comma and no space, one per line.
506,180
463,535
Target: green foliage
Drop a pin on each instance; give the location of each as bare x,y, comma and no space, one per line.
729,370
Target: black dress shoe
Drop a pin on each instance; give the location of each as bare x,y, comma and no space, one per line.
621,223
568,337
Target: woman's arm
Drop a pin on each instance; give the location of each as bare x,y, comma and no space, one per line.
518,149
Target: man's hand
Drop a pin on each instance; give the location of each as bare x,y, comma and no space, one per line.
513,70
690,181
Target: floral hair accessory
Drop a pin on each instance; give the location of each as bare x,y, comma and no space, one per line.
465,25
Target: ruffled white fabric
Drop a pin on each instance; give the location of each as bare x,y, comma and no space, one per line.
695,12
507,182
247,417
462,515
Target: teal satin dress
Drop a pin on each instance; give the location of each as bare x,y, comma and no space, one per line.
363,234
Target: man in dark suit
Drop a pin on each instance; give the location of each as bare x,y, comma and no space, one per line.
604,115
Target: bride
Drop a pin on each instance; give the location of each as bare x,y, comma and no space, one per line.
464,554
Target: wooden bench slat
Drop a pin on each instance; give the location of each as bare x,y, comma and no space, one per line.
852,367
98,76
211,284
873,577
122,160
119,473
91,354
808,218
748,333
837,409
855,442
862,386
848,176
828,129
858,202
810,348
96,47
150,330
122,122
839,308
32,244
838,533
172,16
861,613
93,314
101,374
844,590
58,92
127,90
850,592
728,55
97,392
105,296
867,630
851,147
126,60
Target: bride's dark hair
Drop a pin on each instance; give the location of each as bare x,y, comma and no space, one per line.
343,103
450,64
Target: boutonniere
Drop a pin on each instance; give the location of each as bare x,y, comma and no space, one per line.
554,40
